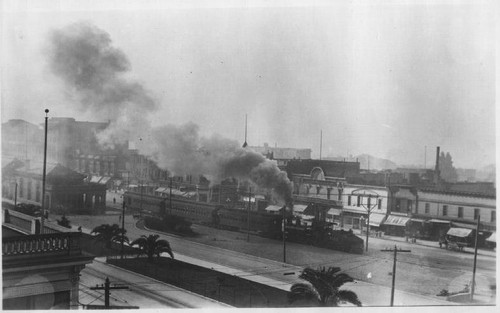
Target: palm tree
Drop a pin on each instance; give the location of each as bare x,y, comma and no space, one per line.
108,233
151,246
323,287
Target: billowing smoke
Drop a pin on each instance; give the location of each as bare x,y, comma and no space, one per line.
182,150
93,71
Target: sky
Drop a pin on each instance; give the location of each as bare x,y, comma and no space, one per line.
389,78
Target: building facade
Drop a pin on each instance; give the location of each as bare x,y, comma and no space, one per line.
65,190
39,271
444,209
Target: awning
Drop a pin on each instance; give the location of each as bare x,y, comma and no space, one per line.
459,232
463,225
438,221
334,211
161,189
376,219
492,238
104,180
299,208
273,208
417,220
355,209
95,179
396,220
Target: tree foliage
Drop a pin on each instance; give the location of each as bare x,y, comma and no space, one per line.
323,288
152,246
109,233
446,168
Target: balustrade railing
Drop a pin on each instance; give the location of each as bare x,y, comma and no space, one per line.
61,244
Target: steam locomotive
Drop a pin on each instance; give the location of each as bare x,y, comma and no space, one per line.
240,219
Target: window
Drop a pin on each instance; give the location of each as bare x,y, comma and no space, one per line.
460,212
493,216
398,205
348,200
427,208
380,204
445,210
410,205
369,202
359,201
476,214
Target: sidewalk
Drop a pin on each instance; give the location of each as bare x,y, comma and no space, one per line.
427,243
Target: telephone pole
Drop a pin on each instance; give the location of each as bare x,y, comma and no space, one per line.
284,234
123,226
107,291
248,213
395,250
473,283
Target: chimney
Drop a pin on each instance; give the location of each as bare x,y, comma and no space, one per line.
437,173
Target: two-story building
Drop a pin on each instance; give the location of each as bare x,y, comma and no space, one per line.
443,209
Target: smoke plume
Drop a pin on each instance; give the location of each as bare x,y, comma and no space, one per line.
92,70
83,57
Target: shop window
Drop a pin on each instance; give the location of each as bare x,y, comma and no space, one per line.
427,208
460,212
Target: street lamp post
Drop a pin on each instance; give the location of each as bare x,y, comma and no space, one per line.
42,222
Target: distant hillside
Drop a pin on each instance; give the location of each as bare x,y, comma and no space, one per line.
373,163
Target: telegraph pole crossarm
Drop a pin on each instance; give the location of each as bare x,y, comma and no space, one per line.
395,250
107,291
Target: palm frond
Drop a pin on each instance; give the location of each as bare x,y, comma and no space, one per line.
301,291
349,296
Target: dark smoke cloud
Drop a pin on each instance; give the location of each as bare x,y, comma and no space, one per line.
83,57
182,150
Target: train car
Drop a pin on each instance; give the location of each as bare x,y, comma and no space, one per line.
263,223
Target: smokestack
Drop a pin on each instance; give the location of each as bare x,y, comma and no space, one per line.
436,170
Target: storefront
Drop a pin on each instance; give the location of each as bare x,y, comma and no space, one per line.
395,225
376,220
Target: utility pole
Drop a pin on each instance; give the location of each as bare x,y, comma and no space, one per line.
107,291
473,284
368,207
44,172
248,213
395,250
123,226
320,143
284,234
170,196
15,196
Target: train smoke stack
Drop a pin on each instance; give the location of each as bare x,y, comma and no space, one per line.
83,57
